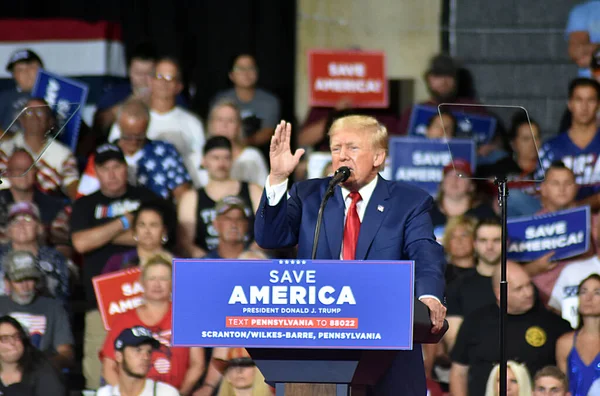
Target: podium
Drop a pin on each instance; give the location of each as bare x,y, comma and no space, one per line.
312,327
336,370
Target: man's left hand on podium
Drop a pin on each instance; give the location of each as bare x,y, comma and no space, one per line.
437,313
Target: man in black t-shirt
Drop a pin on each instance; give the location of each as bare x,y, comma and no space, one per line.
101,227
531,334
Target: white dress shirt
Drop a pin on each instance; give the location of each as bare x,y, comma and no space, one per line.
276,193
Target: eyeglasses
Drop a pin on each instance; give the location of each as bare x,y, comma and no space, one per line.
37,113
22,217
9,338
165,77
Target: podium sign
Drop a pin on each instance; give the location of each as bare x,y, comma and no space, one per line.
293,304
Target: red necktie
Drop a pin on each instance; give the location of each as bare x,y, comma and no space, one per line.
352,228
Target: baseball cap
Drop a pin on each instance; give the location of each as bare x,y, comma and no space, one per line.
22,55
462,167
108,152
442,65
19,265
216,142
23,208
231,202
135,336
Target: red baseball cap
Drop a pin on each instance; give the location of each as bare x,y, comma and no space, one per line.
462,167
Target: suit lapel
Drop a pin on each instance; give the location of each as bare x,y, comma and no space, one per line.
333,220
374,214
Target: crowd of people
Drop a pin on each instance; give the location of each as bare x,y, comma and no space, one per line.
150,181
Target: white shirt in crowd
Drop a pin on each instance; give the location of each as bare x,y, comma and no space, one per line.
182,129
250,166
564,296
162,389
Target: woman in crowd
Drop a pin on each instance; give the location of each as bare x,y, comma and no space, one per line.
177,366
458,244
518,168
24,370
578,352
443,126
242,377
523,136
458,196
518,381
249,164
152,236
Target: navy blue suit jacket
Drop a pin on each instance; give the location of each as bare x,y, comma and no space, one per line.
396,226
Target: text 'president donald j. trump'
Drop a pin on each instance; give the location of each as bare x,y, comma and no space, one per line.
367,218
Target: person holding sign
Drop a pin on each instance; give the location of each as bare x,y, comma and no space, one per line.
179,367
57,171
441,126
24,65
368,218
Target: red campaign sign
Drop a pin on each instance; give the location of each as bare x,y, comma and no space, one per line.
355,75
117,293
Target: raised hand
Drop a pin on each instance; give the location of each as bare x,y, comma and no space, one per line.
283,162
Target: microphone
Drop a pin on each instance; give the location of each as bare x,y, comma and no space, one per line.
340,176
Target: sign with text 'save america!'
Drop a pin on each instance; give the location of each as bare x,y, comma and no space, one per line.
117,293
357,76
293,304
565,232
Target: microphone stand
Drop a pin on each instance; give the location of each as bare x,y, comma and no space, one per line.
328,195
502,201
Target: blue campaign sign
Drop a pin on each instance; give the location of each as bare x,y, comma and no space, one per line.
421,161
566,232
293,304
66,97
479,127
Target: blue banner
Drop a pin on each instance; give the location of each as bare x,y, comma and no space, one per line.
566,232
421,161
66,98
293,304
479,127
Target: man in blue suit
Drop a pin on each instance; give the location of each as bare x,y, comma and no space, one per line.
367,218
